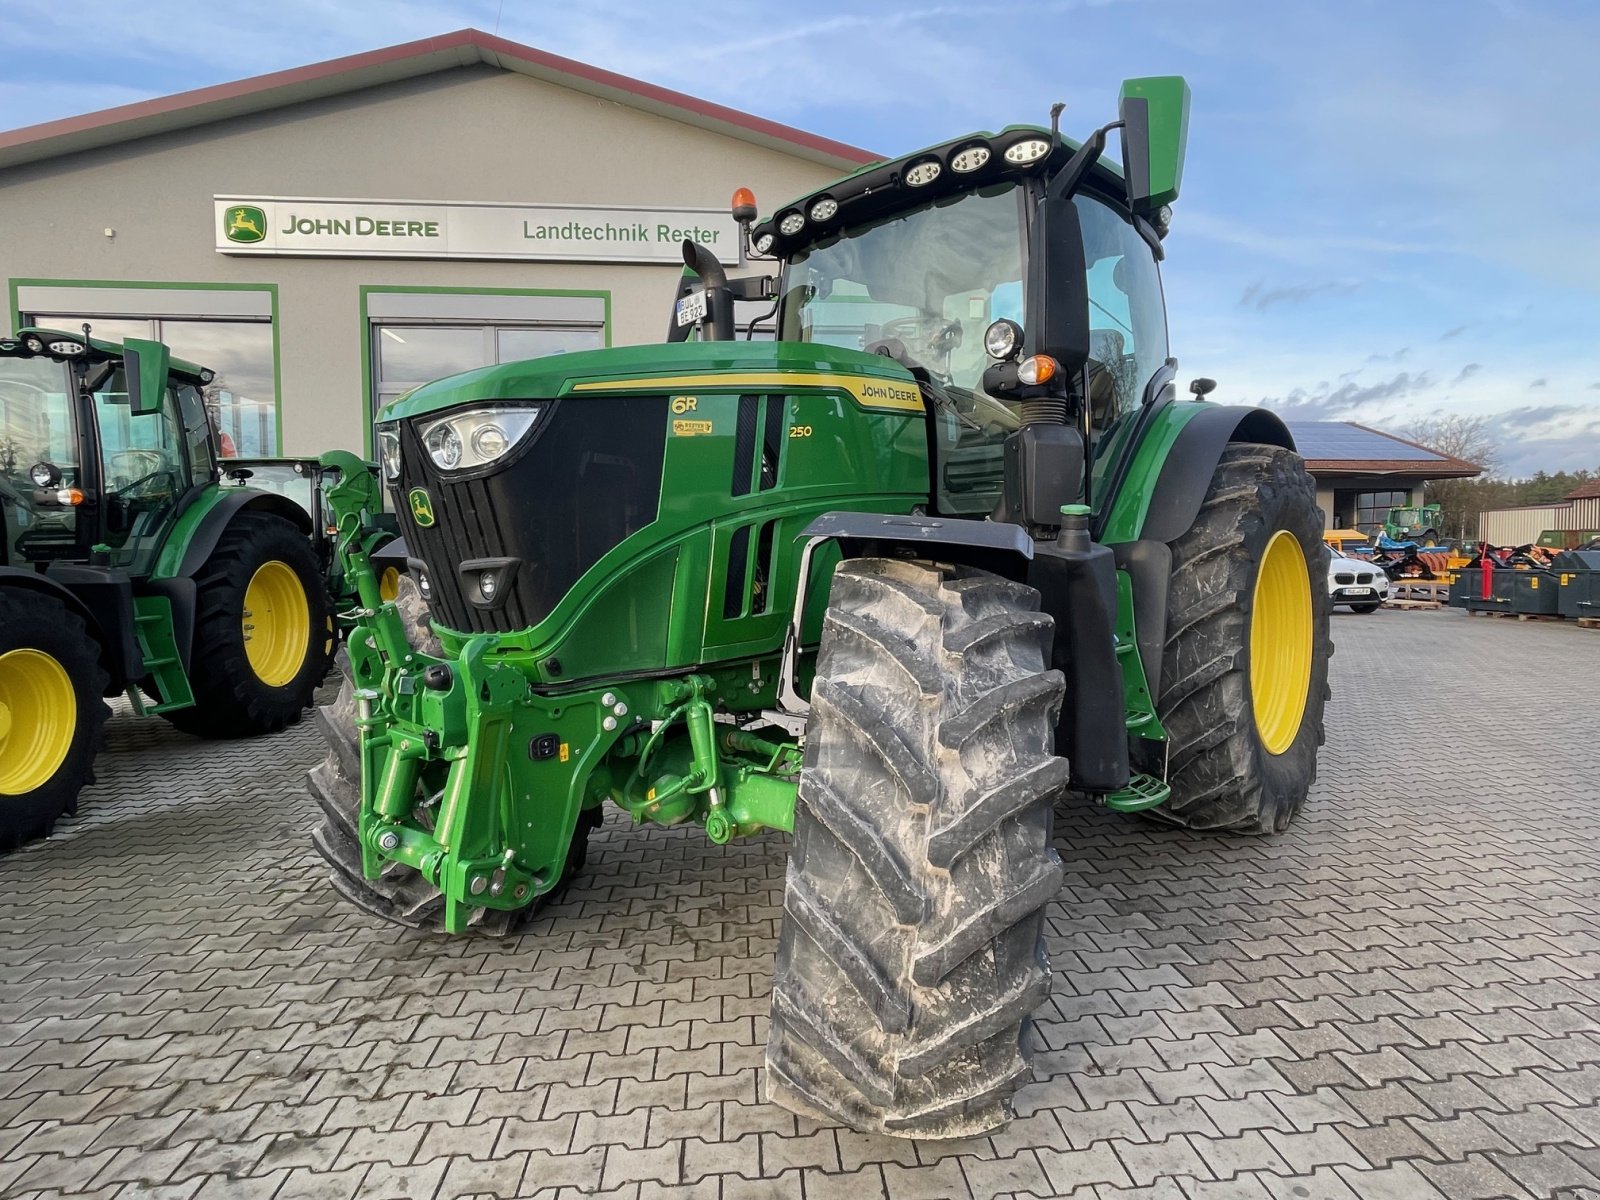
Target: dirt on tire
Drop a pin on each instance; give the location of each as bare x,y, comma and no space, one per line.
1221,774
911,953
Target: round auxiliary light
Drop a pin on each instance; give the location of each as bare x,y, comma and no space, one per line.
34,343
207,375
1029,150
43,475
486,585
763,243
791,223
67,349
923,173
1002,339
823,208
490,441
969,159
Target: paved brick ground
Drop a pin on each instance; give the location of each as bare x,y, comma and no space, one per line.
1398,998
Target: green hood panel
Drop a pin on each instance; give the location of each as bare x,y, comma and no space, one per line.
672,367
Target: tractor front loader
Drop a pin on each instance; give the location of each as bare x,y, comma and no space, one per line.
948,547
126,567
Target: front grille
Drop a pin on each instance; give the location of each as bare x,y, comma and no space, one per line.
1344,577
590,477
1364,577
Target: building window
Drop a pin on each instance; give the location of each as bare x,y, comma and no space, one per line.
231,332
1372,508
417,337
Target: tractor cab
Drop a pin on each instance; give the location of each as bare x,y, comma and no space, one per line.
100,445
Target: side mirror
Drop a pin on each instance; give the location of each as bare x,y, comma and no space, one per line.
1202,386
1155,131
145,364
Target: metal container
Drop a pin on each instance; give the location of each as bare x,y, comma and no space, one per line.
1578,583
1467,590
1534,593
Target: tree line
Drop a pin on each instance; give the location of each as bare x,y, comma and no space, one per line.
1461,500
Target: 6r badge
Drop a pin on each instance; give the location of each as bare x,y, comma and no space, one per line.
421,506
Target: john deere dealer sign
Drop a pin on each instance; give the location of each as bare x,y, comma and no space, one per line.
409,229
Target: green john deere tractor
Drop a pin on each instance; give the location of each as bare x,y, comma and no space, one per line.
948,547
126,566
1419,524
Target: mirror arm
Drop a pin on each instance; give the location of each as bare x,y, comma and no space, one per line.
1072,175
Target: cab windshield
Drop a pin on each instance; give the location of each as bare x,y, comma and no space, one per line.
922,286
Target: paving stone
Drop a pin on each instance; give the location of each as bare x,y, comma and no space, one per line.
1398,996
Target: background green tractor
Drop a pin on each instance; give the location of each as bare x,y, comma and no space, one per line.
949,546
1417,523
127,567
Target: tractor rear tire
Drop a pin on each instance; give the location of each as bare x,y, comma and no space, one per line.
1239,761
52,713
255,672
911,952
400,894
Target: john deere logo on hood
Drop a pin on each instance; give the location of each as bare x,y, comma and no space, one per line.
421,507
244,223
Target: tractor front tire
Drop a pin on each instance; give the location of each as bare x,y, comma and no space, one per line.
400,894
52,714
261,640
911,952
1244,677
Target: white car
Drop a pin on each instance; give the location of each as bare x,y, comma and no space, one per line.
1358,583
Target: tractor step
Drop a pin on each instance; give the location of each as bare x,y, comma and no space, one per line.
1142,792
152,626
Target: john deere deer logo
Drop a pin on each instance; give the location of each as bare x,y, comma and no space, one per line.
421,507
244,223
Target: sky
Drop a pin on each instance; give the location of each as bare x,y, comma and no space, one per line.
1386,212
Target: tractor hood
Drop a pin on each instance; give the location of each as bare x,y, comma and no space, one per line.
683,366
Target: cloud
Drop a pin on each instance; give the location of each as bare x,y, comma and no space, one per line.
1452,333
1546,437
1323,403
1467,372
1538,383
1260,297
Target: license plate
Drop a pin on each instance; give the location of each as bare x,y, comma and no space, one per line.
692,308
1358,591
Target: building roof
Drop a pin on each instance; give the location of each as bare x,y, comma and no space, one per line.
463,48
1343,447
1585,491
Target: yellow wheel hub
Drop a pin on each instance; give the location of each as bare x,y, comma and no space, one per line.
1280,642
277,624
38,716
389,584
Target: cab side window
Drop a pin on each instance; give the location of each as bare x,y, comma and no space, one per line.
197,432
1127,316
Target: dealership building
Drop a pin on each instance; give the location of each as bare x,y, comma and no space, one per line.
326,237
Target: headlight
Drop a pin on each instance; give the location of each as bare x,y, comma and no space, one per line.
824,208
476,437
969,159
389,452
791,223
1029,150
923,173
67,349
1003,339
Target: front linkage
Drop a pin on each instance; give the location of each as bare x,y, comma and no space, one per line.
477,781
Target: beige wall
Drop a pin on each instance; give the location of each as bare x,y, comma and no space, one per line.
469,134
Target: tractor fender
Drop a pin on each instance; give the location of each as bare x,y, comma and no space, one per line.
203,538
1181,486
998,547
105,602
1175,501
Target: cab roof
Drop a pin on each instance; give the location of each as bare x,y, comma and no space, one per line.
97,350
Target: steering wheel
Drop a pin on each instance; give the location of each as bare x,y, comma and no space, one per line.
923,333
132,488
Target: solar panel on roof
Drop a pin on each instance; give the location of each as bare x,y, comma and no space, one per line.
1326,440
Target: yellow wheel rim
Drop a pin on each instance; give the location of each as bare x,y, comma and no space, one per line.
1280,642
277,624
38,716
389,584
